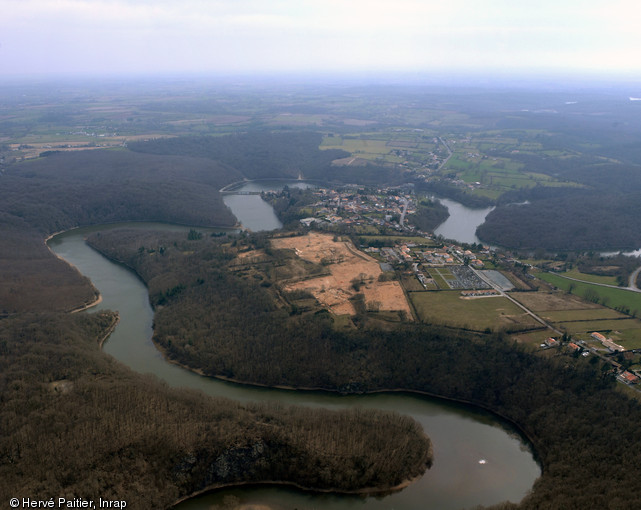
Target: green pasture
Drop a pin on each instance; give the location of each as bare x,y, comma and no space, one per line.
447,308
440,281
588,314
588,327
591,278
411,284
607,296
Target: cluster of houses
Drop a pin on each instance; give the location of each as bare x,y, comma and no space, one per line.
622,375
386,208
607,342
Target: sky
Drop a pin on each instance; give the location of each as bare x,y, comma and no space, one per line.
115,37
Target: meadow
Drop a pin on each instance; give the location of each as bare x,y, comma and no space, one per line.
478,314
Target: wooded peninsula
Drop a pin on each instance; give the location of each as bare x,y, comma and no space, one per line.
75,421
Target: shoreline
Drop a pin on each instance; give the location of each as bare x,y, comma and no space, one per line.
281,483
370,491
467,403
110,330
367,491
97,296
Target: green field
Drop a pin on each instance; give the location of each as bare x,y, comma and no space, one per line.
600,325
411,283
607,296
447,307
591,278
440,281
589,314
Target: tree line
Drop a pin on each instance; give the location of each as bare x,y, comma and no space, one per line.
582,428
76,423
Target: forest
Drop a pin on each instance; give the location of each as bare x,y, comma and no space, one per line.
601,214
57,389
66,190
261,154
582,428
75,422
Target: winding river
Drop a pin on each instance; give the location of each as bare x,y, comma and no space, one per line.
479,460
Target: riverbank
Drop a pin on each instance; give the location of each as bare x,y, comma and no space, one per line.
531,440
437,485
280,483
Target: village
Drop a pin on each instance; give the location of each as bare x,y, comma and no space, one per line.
446,282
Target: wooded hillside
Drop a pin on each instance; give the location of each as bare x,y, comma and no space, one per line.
76,423
583,430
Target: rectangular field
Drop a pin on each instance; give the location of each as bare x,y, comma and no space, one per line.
448,308
602,325
553,301
590,314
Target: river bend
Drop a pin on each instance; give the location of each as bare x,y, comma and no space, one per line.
478,460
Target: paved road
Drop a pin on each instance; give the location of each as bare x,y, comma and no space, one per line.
632,283
505,294
523,307
631,288
448,157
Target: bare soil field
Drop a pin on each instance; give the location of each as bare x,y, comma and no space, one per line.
345,264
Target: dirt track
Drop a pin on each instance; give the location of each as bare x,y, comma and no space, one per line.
345,263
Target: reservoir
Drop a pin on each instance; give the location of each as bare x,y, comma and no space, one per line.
462,222
478,459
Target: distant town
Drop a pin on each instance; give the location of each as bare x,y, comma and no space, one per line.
380,220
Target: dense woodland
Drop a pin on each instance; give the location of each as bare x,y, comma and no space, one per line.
429,215
66,190
575,221
261,154
601,214
77,423
583,430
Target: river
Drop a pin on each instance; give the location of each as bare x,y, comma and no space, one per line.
462,222
256,214
478,459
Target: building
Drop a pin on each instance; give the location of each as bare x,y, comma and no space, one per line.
627,377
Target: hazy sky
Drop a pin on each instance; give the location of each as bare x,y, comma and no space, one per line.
239,36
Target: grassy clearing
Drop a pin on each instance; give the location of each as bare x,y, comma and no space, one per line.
591,278
628,338
590,314
534,338
447,307
607,296
543,301
600,325
411,284
440,281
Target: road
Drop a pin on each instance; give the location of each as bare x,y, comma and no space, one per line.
505,294
449,154
632,283
522,307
